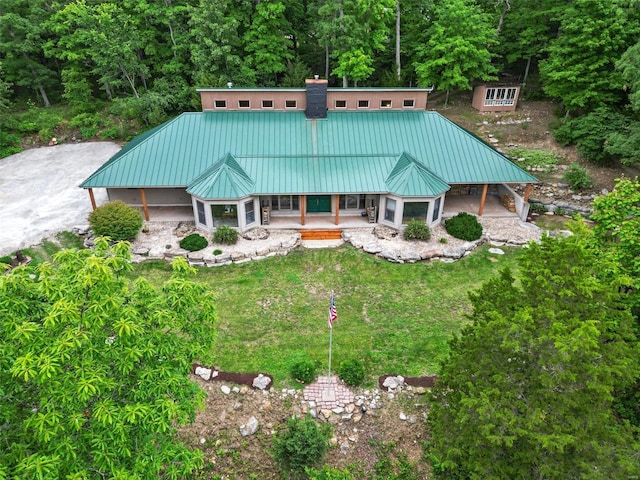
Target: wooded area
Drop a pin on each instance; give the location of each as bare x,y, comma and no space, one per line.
148,55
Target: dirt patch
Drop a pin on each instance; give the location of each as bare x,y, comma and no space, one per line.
398,417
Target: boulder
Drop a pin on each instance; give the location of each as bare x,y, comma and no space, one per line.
250,427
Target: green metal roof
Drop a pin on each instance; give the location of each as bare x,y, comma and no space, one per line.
411,179
281,152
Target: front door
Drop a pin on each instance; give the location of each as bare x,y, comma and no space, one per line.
319,204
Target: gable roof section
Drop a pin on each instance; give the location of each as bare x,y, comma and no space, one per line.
179,152
226,179
411,179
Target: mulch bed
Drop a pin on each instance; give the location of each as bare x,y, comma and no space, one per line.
426,382
237,378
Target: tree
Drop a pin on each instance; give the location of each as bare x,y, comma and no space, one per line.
93,368
629,67
455,51
528,389
5,92
593,36
267,42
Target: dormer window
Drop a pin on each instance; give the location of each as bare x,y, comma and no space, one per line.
385,103
408,103
363,103
290,104
244,104
341,104
220,104
267,103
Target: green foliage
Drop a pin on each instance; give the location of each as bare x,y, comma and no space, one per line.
94,367
5,259
593,35
464,226
193,242
454,52
302,443
553,345
577,177
328,473
534,158
417,230
393,464
303,370
537,207
116,220
217,251
225,235
352,372
9,144
591,133
87,123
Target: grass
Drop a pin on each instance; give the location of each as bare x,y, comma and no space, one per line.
395,318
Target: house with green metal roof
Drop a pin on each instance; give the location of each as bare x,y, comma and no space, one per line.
256,157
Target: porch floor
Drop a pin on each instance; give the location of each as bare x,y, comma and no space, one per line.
471,204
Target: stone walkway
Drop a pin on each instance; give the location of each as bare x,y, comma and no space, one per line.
328,396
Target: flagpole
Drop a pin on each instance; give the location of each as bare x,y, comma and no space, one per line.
329,395
330,346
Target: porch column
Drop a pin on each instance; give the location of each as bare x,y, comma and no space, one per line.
303,207
144,204
92,198
483,198
337,209
527,192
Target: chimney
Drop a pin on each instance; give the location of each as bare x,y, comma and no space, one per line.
316,98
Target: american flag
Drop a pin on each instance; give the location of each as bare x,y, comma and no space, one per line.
333,313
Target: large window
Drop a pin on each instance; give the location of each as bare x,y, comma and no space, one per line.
351,202
415,211
225,215
249,212
285,202
390,210
500,96
201,216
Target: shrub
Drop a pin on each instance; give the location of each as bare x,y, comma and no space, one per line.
352,372
464,226
193,242
537,207
417,230
303,370
116,220
225,235
328,473
217,251
301,444
6,260
577,177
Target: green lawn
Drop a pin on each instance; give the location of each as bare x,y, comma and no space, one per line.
397,318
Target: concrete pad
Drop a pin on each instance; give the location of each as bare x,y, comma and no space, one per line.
39,193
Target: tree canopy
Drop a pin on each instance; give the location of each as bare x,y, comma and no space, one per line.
94,368
528,390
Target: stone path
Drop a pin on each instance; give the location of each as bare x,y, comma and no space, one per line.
328,396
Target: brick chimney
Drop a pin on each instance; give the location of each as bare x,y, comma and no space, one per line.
316,98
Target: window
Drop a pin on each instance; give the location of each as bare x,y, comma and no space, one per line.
436,209
220,104
285,202
341,104
267,103
244,104
225,215
500,96
415,211
351,202
249,212
201,216
363,103
390,210
408,103
385,103
290,104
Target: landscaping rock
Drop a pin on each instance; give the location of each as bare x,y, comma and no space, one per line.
261,382
249,428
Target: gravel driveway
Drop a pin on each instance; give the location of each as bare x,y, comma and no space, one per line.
39,192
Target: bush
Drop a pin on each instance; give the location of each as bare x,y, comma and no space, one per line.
193,242
537,207
464,226
217,251
417,230
303,370
328,473
225,235
577,177
352,372
6,260
115,220
302,444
